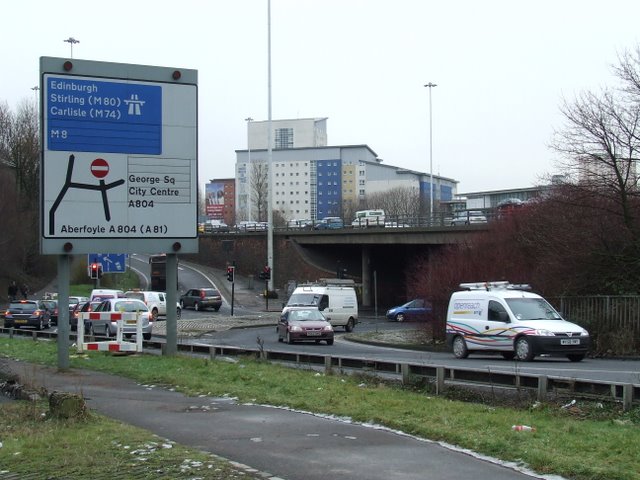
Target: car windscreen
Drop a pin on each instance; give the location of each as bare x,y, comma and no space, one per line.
532,309
304,299
305,315
129,306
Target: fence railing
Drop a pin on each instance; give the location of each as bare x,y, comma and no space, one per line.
612,320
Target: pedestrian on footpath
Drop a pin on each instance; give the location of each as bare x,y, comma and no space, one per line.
12,291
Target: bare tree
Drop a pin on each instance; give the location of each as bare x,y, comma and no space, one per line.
397,202
20,162
600,147
259,190
20,149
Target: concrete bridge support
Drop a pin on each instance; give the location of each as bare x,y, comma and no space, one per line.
366,276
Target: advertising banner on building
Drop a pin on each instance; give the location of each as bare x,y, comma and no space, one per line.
215,200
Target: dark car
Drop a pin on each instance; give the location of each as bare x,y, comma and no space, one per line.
27,313
52,307
201,298
329,223
415,310
304,325
82,307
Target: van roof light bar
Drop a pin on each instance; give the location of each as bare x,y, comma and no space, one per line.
495,286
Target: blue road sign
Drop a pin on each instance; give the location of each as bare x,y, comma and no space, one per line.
86,115
111,262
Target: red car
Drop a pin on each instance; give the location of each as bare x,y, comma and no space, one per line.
304,325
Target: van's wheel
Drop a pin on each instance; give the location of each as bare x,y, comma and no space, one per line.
146,336
154,315
349,326
460,349
523,350
576,357
508,355
400,317
330,341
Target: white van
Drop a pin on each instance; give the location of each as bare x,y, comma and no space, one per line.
369,218
99,294
156,301
504,318
336,300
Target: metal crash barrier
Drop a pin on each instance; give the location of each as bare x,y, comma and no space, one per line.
124,319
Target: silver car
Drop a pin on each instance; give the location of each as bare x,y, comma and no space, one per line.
468,218
120,305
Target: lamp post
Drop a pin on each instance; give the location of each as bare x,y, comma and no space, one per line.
71,41
430,86
270,262
248,120
35,90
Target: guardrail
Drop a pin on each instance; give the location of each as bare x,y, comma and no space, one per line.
541,386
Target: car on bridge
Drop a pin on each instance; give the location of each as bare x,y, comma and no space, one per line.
468,217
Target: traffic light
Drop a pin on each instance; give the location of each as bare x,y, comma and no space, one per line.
231,273
99,270
95,270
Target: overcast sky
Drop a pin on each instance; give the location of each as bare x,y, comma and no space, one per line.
502,69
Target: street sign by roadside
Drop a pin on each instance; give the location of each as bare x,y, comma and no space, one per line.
119,163
111,262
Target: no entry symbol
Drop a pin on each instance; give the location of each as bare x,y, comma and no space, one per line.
99,168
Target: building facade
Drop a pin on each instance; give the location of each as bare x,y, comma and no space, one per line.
312,180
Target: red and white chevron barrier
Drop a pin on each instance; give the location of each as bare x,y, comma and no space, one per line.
123,319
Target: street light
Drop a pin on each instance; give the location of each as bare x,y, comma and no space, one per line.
430,85
248,120
35,90
269,157
71,41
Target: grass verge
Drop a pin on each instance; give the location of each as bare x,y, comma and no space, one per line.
96,447
584,442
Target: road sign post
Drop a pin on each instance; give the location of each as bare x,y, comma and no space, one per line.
119,164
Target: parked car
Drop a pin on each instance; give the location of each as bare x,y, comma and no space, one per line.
201,298
52,307
468,218
79,308
415,310
27,313
299,324
121,305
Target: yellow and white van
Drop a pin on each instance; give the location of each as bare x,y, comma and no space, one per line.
508,319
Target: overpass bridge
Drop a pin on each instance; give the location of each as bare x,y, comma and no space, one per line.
376,258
